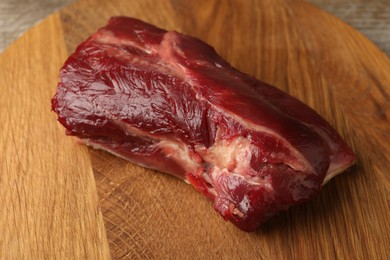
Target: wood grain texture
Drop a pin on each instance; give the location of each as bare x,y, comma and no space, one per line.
301,50
16,17
49,206
50,209
371,17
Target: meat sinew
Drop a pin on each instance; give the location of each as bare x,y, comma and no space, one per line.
167,101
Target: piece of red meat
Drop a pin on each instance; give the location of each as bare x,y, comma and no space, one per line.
167,101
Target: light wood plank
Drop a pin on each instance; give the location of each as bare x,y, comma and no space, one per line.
49,207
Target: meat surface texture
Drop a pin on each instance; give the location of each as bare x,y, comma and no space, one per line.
169,102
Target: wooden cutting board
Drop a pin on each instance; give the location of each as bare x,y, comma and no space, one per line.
61,200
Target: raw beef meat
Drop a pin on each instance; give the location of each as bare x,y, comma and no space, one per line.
167,101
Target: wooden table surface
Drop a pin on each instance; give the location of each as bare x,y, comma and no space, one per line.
371,17
60,200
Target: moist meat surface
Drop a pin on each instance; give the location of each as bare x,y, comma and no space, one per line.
169,102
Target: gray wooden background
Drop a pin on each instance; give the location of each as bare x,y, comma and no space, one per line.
371,17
